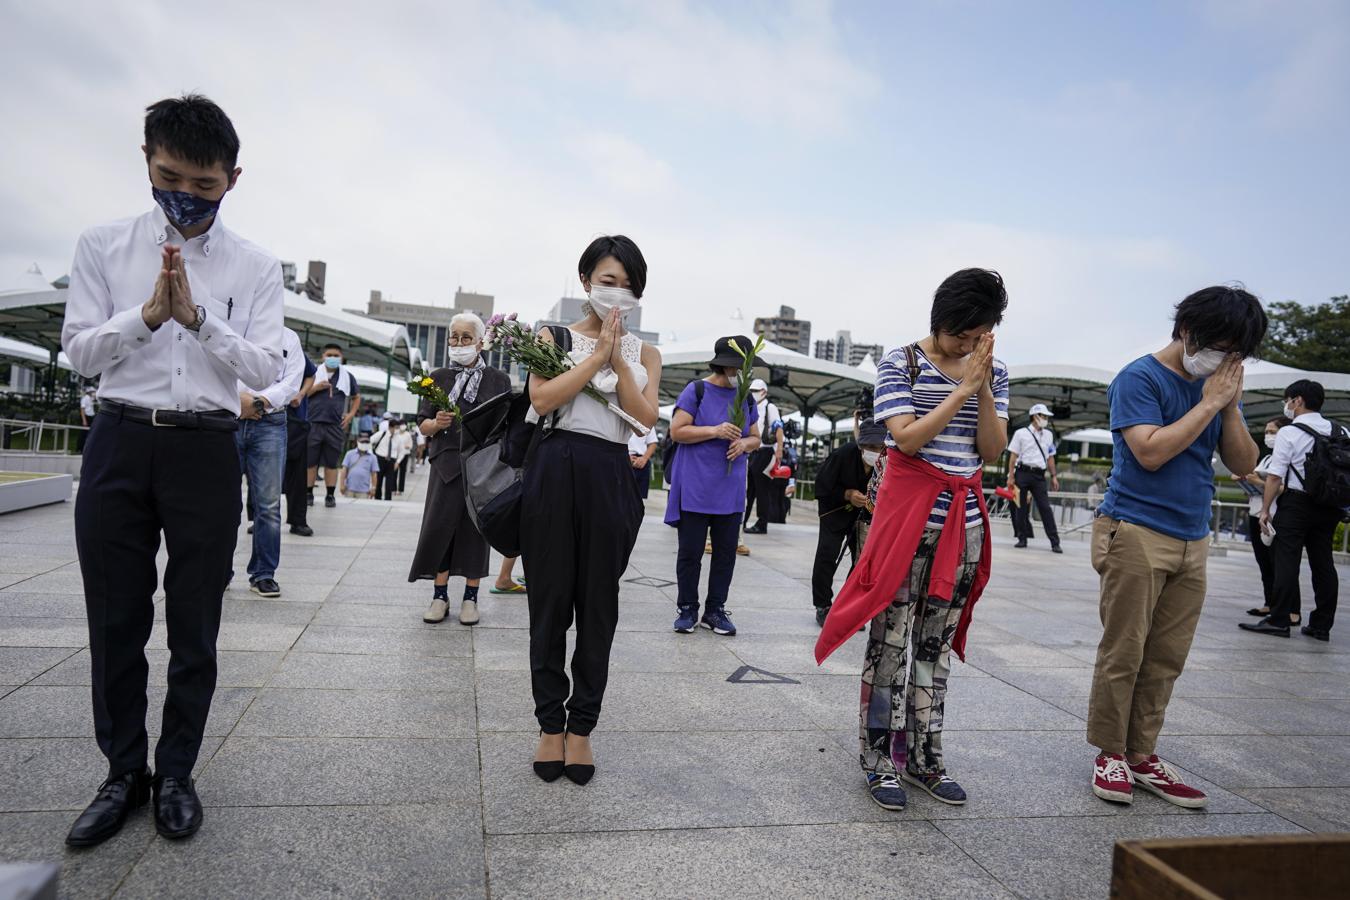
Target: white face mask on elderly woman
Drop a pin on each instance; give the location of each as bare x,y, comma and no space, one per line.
463,356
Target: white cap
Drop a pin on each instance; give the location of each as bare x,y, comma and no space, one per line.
758,385
387,415
1040,409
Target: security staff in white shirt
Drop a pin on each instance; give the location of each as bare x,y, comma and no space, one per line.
1031,454
261,440
173,311
1301,523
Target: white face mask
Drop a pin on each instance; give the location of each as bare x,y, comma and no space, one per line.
1270,441
1290,413
363,446
1040,421
870,457
463,356
603,298
1202,363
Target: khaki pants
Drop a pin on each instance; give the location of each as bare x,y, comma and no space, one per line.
1152,589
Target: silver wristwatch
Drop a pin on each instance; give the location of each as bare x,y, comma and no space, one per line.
201,319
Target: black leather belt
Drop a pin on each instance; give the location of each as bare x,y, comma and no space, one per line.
1030,468
170,418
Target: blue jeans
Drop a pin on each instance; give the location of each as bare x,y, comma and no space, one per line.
262,457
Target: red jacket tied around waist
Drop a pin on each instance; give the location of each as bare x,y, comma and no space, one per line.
908,491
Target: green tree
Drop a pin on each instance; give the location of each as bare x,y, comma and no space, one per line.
1316,338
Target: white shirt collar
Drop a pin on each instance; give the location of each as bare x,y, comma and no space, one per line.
1309,417
165,231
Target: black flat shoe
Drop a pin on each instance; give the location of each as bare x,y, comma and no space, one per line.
115,800
549,770
579,774
1020,545
1316,634
1259,611
1265,626
178,811
1057,549
302,530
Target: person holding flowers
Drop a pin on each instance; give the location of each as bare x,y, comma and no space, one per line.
449,543
582,515
714,428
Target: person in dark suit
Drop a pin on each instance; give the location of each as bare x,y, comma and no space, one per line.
841,497
449,543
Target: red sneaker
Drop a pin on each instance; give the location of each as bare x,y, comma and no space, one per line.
1111,780
1157,777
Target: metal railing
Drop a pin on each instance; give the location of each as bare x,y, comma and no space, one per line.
40,437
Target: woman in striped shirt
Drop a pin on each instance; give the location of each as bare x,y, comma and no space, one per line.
944,401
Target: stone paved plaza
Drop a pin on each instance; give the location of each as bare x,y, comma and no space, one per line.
353,750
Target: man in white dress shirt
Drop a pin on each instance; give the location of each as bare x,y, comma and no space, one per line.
173,311
1031,454
261,439
1303,521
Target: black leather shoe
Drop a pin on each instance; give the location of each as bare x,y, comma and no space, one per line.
115,800
1020,545
1265,626
1057,549
302,530
178,811
1259,611
1316,634
757,529
821,613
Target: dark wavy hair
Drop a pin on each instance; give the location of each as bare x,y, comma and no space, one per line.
625,251
1225,315
968,299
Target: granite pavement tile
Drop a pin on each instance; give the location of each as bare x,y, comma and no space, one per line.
446,639
30,631
93,873
59,773
1265,761
345,671
1316,809
287,712
40,711
235,668
633,651
22,664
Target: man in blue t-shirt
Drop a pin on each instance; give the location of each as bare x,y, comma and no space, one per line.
1170,411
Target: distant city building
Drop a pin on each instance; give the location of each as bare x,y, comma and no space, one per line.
314,281
842,349
429,326
568,310
786,330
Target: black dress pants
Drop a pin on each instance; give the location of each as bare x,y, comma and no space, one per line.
829,544
1031,483
759,496
136,481
578,523
293,481
694,531
1264,561
1302,524
402,474
384,489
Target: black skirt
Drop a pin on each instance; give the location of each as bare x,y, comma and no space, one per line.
448,538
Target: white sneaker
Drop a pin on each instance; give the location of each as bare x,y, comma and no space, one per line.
436,611
468,612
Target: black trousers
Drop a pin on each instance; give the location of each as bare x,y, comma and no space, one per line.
136,481
1031,483
384,488
293,481
402,474
1301,524
829,544
694,529
759,495
578,524
1264,561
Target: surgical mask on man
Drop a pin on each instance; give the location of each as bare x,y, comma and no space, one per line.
1289,412
184,209
870,457
1270,441
1040,421
463,356
1202,363
332,362
605,297
363,446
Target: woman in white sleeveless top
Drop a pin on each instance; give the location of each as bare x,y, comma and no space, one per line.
581,512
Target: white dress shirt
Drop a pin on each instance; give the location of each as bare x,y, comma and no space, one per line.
638,443
284,389
1025,443
172,367
1292,446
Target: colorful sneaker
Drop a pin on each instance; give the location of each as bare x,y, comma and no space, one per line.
1157,777
939,787
687,620
718,621
886,792
1111,780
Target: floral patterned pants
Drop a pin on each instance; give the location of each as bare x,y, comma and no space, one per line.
900,720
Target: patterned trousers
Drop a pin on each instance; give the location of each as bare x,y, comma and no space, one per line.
900,721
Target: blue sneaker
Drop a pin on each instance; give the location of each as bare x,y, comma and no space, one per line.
687,620
886,792
940,787
718,621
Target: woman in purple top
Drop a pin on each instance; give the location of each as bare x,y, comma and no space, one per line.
704,496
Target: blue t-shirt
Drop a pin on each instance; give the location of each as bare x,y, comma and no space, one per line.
302,411
361,468
699,480
1175,500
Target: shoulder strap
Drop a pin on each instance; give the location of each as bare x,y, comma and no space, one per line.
699,387
562,336
912,358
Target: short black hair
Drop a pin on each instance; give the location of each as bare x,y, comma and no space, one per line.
625,251
1312,393
968,299
327,347
193,128
1222,314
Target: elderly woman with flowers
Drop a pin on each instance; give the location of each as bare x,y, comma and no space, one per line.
449,543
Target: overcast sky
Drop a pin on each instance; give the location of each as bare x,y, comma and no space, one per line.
843,158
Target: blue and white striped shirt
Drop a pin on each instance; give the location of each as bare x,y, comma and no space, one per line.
953,449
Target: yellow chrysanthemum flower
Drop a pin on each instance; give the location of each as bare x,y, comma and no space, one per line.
427,382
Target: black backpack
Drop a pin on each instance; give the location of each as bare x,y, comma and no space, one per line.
1326,470
494,473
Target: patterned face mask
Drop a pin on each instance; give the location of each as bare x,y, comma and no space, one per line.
184,209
